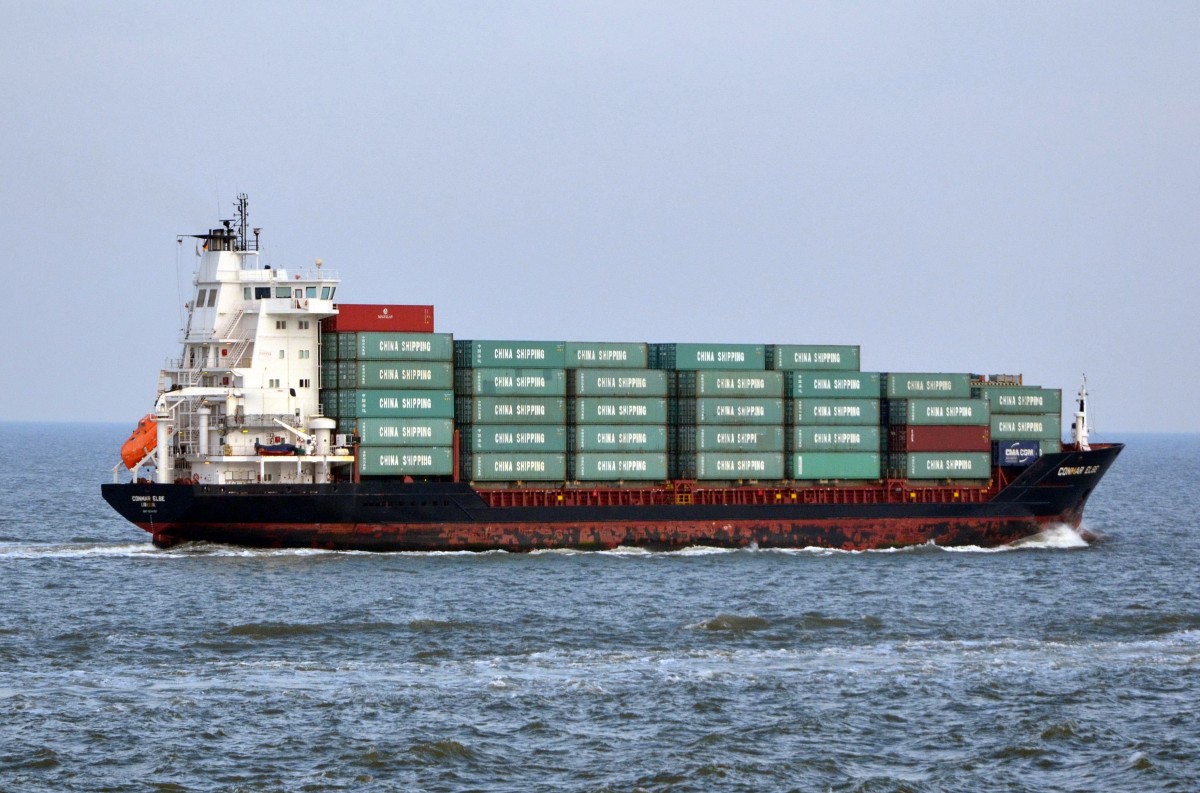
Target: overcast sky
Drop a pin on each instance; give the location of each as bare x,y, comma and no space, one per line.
984,187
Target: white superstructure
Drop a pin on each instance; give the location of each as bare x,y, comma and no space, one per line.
249,373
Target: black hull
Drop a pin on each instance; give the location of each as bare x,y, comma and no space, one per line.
439,516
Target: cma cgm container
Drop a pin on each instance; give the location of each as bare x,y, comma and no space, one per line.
511,410
358,317
404,432
833,384
834,465
1013,427
686,357
607,355
619,382
850,412
835,439
394,374
1016,453
618,410
939,411
729,465
619,438
388,403
619,466
1021,399
405,461
402,346
941,465
516,466
715,383
841,357
514,438
511,382
940,438
914,384
542,354
730,438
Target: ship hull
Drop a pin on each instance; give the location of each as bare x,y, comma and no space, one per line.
396,516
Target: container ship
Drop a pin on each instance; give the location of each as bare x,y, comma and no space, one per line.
293,420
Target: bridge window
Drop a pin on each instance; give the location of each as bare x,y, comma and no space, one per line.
262,292
310,291
324,293
212,298
200,298
247,294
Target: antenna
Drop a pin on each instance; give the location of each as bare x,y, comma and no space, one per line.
243,214
1079,430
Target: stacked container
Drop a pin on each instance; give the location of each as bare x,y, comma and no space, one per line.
1026,421
935,429
833,413
726,411
511,410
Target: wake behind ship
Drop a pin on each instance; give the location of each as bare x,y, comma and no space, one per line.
291,420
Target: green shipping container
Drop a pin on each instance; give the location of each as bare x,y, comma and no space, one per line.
972,412
836,439
1021,399
620,382
819,384
730,465
732,411
729,439
919,384
405,460
834,465
619,410
347,346
511,382
511,410
514,438
481,354
329,347
618,466
404,347
841,357
607,355
406,432
329,374
619,438
707,356
942,465
1051,446
394,374
1013,427
729,384
847,412
516,466
387,403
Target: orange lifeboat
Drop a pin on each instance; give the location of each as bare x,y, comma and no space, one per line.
141,442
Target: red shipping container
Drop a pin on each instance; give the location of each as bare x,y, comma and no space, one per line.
368,317
940,438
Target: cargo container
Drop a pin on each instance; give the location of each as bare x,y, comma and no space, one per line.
841,357
511,382
619,382
405,461
404,347
940,438
1016,453
744,438
619,438
482,354
848,412
511,410
514,438
903,385
835,439
618,466
388,403
404,432
329,375
707,356
356,317
727,411
607,355
941,465
329,347
729,465
834,465
718,383
515,466
824,384
394,374
618,410
939,411
1020,399
1015,427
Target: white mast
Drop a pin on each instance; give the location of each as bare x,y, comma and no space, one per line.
1079,430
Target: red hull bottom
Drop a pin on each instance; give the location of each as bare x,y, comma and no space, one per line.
842,534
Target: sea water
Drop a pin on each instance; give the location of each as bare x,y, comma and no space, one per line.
1056,665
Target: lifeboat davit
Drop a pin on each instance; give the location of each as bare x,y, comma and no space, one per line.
141,442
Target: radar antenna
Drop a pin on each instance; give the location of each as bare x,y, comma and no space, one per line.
243,220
